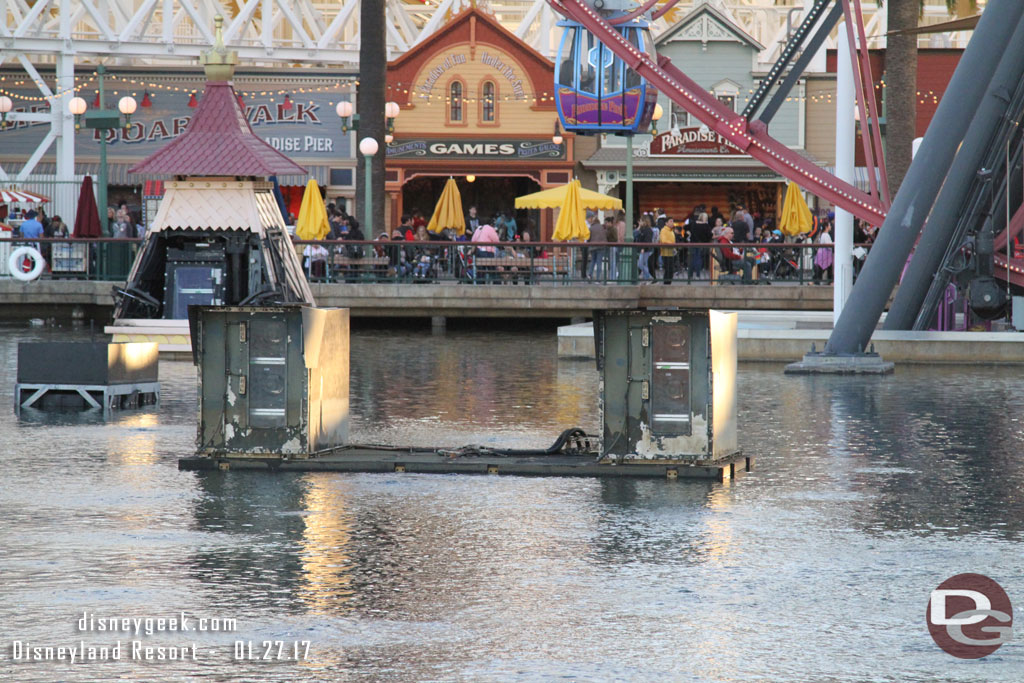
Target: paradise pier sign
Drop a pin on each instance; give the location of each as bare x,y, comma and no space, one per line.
507,150
693,142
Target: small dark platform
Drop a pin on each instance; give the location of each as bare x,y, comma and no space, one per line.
364,459
60,376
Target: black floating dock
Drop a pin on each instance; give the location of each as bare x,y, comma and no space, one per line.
434,462
86,376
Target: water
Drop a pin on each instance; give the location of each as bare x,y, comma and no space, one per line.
868,492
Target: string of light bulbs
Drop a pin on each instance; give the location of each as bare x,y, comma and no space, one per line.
342,86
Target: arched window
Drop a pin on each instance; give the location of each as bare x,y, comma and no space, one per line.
487,114
455,102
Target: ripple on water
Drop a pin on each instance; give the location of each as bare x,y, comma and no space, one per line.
868,492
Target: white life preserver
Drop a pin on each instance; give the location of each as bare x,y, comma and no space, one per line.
15,259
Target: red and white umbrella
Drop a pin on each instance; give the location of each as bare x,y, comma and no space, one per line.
7,196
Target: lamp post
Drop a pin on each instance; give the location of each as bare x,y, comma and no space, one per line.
350,121
368,146
102,119
629,267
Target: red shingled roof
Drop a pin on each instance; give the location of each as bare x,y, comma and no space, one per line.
218,142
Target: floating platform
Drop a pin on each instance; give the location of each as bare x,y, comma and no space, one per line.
105,397
815,363
86,375
383,460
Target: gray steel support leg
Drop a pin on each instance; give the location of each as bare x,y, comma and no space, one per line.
917,194
941,226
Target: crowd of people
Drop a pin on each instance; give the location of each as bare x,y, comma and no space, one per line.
742,250
750,247
35,223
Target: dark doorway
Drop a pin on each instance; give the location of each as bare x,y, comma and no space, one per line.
489,194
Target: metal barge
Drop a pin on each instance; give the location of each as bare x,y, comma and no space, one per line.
274,396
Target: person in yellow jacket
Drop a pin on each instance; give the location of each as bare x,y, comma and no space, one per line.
670,234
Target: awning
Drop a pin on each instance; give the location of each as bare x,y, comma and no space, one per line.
153,188
13,194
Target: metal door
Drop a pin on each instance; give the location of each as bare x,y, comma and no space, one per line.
268,372
638,394
670,408
256,410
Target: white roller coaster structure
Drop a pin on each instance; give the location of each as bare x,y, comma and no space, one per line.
66,33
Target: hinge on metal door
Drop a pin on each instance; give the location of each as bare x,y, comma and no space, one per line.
645,337
241,385
241,331
645,390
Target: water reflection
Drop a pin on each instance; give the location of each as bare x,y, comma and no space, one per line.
326,566
955,465
467,388
867,493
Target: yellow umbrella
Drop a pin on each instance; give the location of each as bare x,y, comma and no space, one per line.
796,217
448,212
312,221
555,197
572,224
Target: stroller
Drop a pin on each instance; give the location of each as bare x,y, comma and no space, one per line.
785,264
465,264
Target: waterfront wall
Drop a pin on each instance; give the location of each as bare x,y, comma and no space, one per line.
61,298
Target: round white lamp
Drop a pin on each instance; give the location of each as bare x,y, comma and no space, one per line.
6,105
344,109
557,139
368,146
389,138
470,178
127,105
77,106
392,110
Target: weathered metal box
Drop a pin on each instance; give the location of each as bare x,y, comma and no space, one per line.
668,385
86,375
273,381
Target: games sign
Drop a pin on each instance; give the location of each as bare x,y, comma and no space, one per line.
506,149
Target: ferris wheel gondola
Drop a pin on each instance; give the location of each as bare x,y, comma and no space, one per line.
596,91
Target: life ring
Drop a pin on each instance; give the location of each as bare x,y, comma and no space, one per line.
17,256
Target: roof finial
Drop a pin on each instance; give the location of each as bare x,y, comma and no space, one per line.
219,62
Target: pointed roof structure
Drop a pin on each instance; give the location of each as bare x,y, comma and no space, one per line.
219,140
708,21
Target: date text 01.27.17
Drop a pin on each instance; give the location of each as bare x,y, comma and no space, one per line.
272,651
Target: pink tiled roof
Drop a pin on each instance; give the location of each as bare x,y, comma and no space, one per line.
218,142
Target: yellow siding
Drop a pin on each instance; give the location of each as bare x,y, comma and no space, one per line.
821,121
428,115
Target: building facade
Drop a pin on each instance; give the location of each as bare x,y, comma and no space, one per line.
477,104
685,164
294,113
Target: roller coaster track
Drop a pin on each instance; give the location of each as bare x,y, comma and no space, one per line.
750,136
